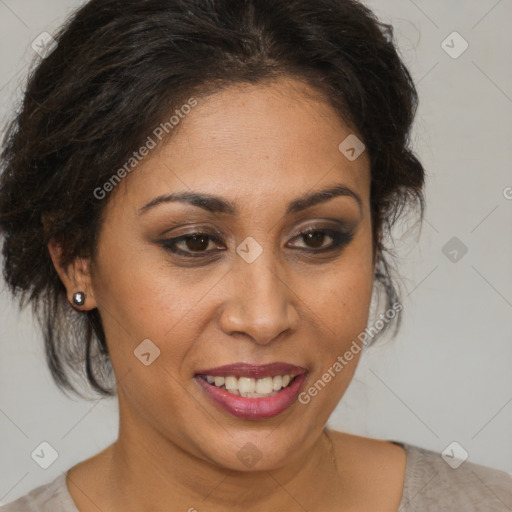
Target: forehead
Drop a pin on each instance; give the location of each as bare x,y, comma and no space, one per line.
269,141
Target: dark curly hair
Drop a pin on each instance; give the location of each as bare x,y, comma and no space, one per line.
120,68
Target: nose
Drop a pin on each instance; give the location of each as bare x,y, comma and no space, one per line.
261,304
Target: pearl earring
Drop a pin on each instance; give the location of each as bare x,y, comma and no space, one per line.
79,298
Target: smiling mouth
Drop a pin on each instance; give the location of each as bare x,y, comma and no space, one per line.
249,387
252,391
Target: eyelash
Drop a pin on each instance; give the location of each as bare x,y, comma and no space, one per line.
340,240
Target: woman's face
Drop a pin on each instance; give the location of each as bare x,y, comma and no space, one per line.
255,289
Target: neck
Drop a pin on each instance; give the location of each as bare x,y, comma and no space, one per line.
149,472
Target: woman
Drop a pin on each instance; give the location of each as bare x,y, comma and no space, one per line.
196,198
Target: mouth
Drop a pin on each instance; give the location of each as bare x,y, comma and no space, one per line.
249,387
253,391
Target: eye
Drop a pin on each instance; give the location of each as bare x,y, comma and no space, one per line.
315,239
196,245
191,245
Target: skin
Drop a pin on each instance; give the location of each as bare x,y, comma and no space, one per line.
259,147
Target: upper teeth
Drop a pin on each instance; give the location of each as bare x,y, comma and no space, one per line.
249,387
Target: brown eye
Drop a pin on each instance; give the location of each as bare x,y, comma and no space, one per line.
191,244
197,242
314,239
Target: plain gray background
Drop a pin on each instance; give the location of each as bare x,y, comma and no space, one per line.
447,376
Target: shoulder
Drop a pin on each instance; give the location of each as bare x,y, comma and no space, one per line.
449,484
50,497
373,470
371,454
426,480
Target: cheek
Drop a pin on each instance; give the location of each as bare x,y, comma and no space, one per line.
341,311
141,297
135,284
147,321
340,305
343,294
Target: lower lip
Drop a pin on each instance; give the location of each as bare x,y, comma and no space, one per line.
254,408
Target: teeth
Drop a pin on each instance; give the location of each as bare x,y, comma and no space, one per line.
231,383
249,387
264,386
246,385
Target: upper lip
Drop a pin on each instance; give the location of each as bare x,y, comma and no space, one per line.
256,371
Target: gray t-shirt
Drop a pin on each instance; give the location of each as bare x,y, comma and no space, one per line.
429,484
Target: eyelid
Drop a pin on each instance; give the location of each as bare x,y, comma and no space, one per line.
194,230
341,230
327,224
340,238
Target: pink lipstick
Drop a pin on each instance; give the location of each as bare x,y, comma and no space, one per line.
253,391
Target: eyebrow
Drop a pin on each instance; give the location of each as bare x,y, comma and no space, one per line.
216,204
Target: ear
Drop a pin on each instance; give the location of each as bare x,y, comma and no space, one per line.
76,276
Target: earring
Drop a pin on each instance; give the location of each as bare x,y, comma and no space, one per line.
79,298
